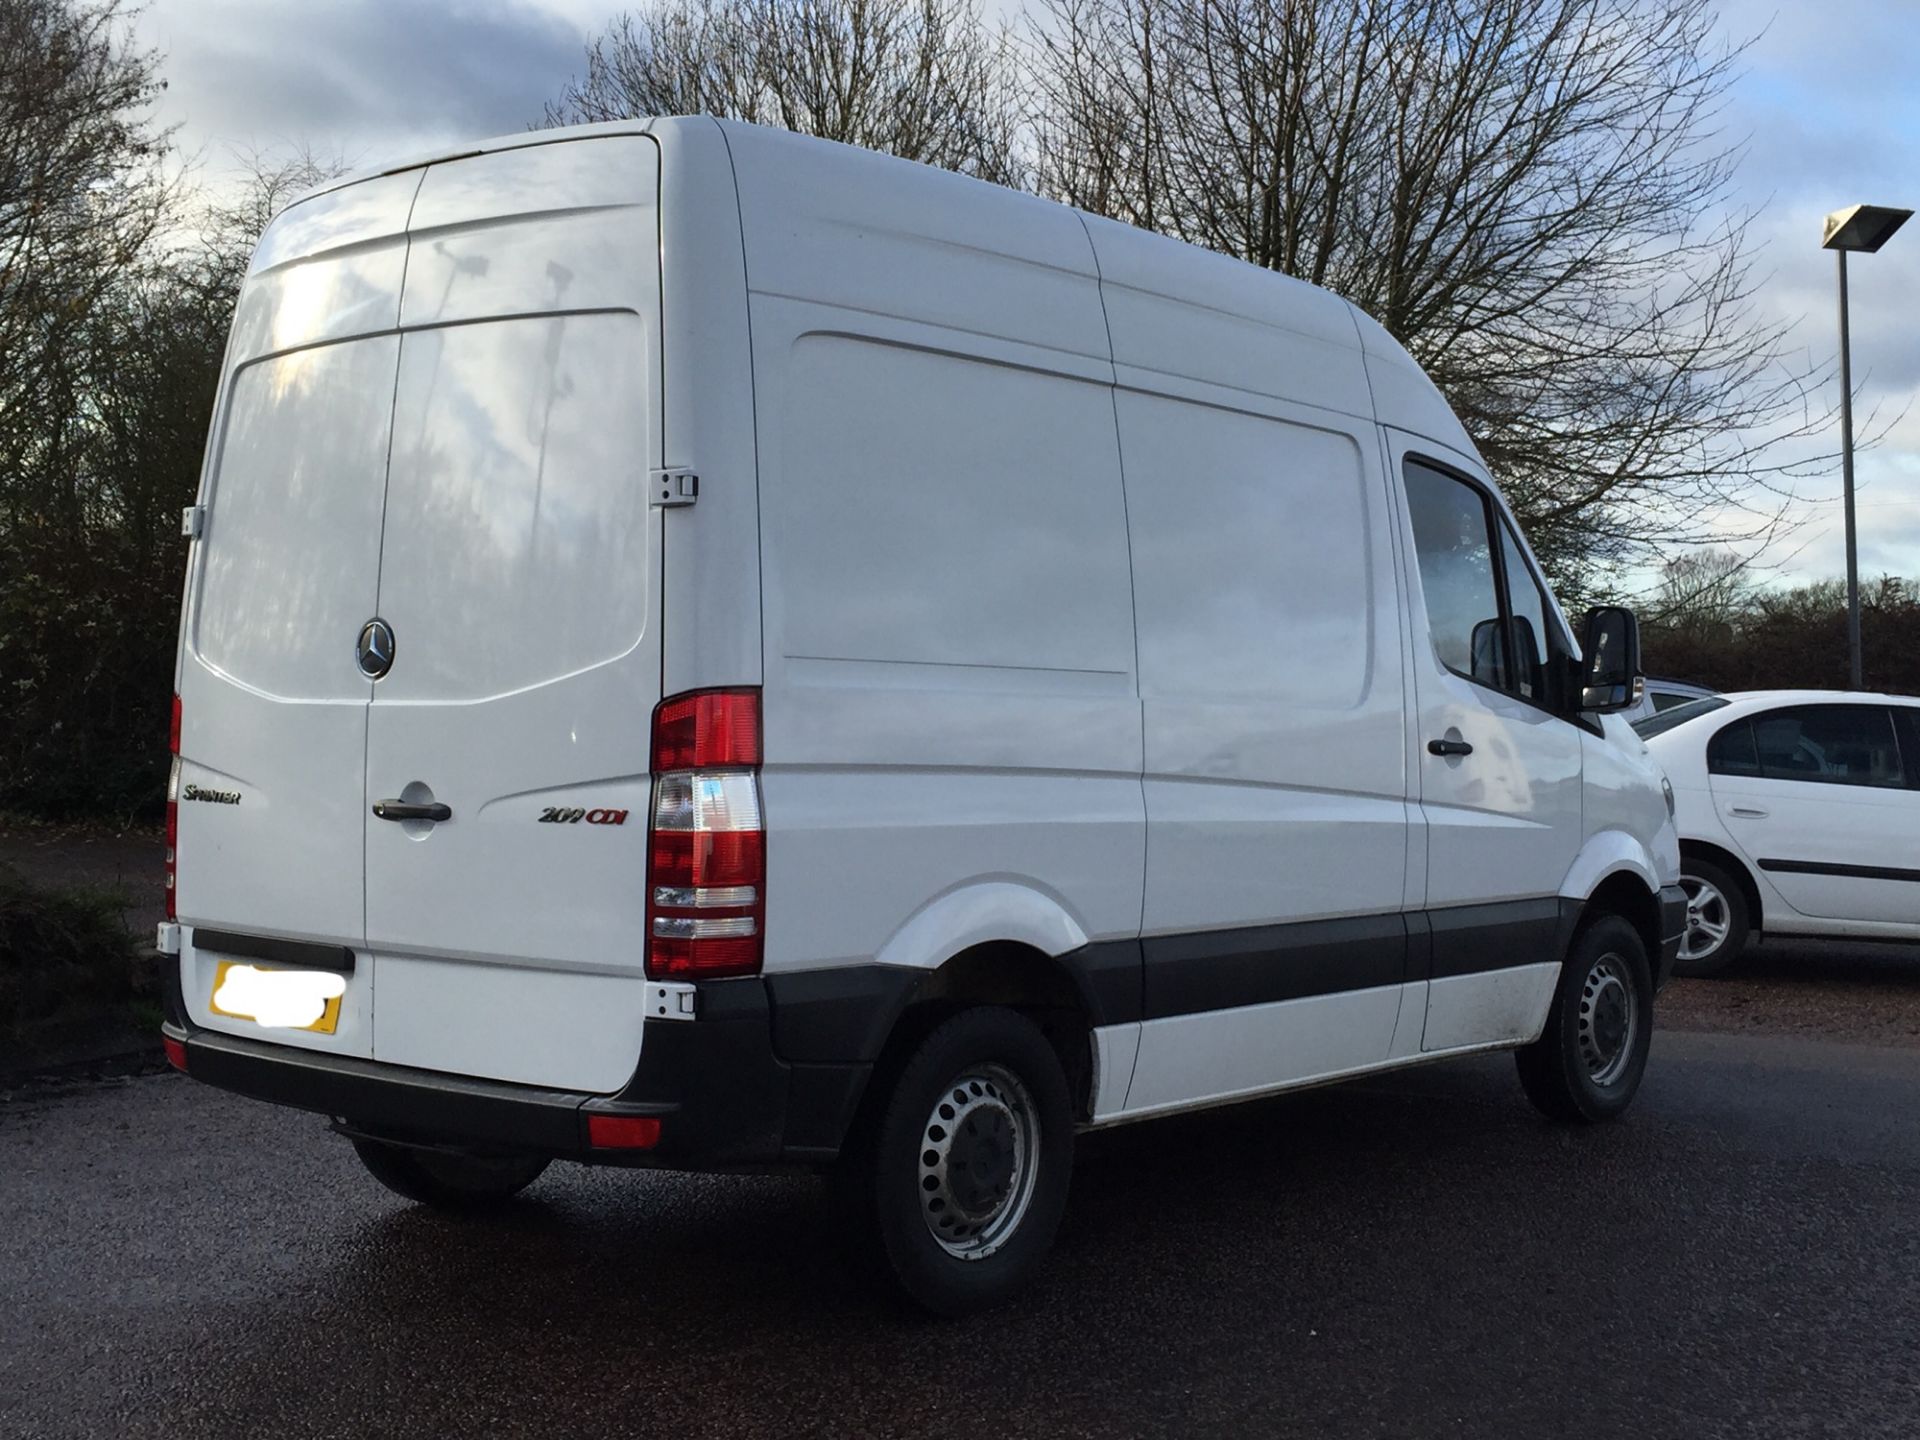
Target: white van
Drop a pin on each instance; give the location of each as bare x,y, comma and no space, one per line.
709,648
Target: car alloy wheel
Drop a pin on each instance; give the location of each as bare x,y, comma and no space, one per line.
1709,919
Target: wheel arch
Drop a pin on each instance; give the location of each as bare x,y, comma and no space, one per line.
1010,973
1734,866
1625,893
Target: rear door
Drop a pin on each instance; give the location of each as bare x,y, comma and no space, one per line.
1821,799
520,578
285,573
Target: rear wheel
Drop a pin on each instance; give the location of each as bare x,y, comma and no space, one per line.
1717,919
957,1189
449,1181
1586,1065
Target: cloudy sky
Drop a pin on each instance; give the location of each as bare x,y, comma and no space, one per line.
1827,100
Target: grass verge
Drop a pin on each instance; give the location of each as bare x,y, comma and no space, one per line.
70,970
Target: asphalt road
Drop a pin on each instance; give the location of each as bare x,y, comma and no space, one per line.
1415,1255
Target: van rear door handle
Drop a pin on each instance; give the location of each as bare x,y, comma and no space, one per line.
1449,747
1746,812
402,810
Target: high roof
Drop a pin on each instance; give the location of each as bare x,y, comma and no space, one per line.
1249,323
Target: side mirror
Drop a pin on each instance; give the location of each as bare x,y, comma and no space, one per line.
1489,657
1610,676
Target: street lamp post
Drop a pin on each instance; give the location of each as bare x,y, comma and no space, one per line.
1864,228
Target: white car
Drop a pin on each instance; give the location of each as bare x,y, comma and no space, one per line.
1799,814
709,648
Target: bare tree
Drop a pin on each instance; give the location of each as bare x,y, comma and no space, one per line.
1531,195
229,223
923,79
80,191
112,441
1701,589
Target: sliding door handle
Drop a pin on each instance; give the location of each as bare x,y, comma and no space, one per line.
1449,747
402,810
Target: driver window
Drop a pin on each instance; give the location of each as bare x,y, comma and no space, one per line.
1455,530
1455,553
1529,621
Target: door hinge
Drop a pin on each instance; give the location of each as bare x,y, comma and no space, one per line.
193,520
671,1000
673,488
167,939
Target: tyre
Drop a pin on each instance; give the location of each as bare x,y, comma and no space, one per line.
956,1188
448,1181
1588,1061
1717,920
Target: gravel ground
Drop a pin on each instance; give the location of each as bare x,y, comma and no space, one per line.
1415,1255
1816,989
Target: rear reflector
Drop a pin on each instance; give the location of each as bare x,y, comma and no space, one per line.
707,847
176,1052
622,1132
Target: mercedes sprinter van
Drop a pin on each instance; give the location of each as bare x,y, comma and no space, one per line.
714,649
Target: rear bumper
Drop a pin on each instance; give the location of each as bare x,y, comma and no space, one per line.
722,1095
1673,929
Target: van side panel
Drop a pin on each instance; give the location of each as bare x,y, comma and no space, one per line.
949,691
1274,745
1186,322
949,684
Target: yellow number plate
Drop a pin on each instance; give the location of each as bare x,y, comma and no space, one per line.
278,999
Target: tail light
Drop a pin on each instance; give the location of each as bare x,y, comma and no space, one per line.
707,844
173,808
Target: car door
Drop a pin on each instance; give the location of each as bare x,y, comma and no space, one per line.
1499,767
520,576
273,709
1821,798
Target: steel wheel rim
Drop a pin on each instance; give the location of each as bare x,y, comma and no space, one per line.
1709,919
978,1162
1609,1020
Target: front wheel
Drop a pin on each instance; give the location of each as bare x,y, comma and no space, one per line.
959,1186
445,1180
1586,1065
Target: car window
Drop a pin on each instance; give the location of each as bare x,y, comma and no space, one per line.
1529,607
1464,549
1451,539
1906,719
1668,699
1731,752
1666,719
1828,745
